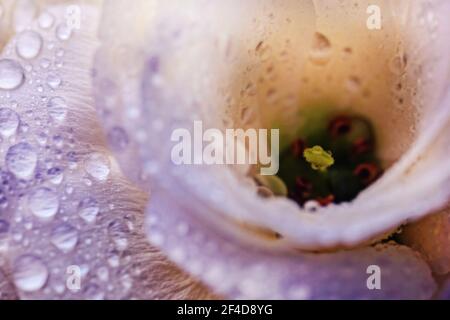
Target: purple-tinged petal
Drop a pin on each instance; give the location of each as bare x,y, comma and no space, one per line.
71,226
240,270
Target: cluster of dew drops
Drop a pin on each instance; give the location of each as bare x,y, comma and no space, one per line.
37,147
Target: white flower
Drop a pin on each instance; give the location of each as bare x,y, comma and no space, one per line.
90,93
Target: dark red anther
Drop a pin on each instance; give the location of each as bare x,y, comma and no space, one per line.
325,200
297,148
367,172
361,146
340,125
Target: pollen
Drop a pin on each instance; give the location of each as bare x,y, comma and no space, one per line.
319,158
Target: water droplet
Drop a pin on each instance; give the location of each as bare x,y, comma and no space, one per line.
57,108
46,20
63,32
30,273
118,231
88,209
43,203
69,189
321,49
65,237
11,74
9,122
56,175
21,160
53,81
353,84
28,44
312,206
45,63
103,274
127,282
60,53
398,64
97,165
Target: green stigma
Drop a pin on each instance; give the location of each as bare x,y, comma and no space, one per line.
318,158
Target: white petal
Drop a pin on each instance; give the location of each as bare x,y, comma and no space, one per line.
66,208
168,76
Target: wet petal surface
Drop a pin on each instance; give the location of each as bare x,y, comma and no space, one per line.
71,226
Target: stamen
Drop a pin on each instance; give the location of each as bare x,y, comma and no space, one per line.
318,158
326,200
330,161
367,172
340,126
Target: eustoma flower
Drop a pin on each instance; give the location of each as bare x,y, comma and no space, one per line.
87,114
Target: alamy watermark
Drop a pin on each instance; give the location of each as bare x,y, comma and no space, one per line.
234,146
374,20
73,17
73,280
374,280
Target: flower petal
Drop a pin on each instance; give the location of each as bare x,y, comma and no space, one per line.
148,90
240,270
67,212
431,237
169,96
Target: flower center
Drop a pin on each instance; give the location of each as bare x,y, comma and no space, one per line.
331,160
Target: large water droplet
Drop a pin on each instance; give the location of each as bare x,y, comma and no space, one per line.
65,237
97,165
43,203
11,74
21,160
88,209
57,108
29,273
321,49
28,44
9,122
